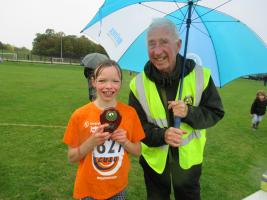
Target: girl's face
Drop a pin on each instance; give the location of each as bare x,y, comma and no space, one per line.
261,97
107,83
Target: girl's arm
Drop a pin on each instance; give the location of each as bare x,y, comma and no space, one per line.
252,107
132,148
75,154
120,136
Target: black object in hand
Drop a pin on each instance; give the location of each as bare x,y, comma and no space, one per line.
112,117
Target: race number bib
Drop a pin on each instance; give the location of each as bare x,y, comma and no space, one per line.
107,157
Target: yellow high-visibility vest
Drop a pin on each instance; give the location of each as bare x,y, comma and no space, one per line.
192,147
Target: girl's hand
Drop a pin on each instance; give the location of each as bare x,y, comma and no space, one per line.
99,136
120,136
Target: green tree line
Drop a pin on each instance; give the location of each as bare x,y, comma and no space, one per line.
8,48
50,43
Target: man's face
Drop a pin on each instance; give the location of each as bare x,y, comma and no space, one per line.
163,47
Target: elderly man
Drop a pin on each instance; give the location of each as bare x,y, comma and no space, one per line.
172,157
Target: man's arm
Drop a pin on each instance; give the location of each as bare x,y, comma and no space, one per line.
154,134
209,111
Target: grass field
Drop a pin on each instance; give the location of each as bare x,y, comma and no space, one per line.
36,101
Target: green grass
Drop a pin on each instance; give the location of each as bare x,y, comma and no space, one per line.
33,161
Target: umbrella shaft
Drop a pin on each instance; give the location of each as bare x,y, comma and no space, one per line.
188,21
177,120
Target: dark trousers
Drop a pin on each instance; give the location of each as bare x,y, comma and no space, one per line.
185,183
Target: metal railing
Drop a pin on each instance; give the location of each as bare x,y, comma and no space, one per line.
38,59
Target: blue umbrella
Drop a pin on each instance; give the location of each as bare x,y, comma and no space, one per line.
229,37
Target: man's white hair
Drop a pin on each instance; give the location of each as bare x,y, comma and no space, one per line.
166,23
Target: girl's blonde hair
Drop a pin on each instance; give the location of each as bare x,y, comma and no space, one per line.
107,63
261,92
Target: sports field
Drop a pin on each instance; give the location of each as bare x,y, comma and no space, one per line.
36,101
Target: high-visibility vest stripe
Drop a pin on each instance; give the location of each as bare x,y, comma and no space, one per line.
142,99
194,134
199,83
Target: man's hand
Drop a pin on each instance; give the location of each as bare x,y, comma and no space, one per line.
173,136
179,108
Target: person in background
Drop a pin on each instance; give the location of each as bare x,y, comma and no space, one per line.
103,156
91,62
264,80
171,156
88,74
258,109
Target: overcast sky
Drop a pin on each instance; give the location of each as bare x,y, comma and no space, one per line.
20,20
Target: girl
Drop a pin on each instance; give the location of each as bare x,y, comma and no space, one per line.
258,108
103,157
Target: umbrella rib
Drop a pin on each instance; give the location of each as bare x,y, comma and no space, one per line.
217,21
211,10
203,22
159,11
181,31
183,22
179,8
200,30
208,34
194,9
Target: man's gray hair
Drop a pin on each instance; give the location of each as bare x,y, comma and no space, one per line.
163,22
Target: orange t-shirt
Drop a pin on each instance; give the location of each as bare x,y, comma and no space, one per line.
104,171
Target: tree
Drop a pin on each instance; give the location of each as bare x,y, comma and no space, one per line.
45,44
49,44
8,48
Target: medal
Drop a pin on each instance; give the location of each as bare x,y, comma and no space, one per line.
112,117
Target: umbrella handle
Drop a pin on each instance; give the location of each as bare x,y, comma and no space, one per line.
177,122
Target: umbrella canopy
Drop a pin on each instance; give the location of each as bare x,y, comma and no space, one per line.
92,60
228,36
